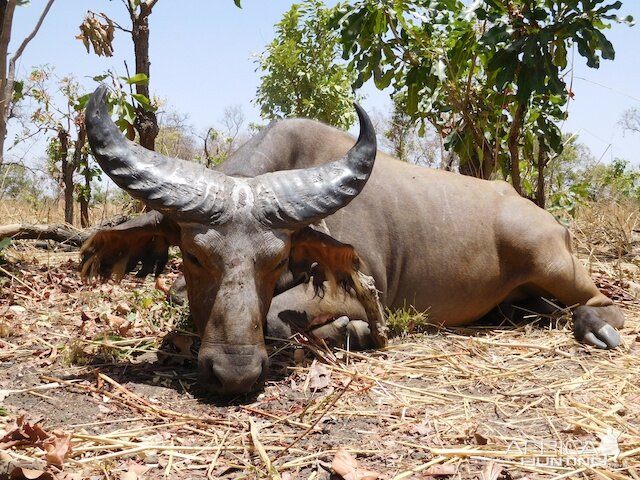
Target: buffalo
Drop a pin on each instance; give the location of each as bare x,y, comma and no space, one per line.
301,202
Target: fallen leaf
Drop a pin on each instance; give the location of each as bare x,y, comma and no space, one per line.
21,433
441,470
493,471
346,466
20,473
58,447
422,430
319,376
118,324
122,308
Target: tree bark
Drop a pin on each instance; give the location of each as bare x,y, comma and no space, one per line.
541,164
8,8
81,156
479,167
514,151
146,122
58,232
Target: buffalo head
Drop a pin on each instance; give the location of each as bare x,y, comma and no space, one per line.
238,236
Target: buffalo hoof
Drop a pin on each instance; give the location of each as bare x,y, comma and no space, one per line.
596,326
344,332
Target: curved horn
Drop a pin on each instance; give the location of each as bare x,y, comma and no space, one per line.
187,191
293,198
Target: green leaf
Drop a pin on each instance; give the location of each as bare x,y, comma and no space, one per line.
81,103
237,2
142,99
4,243
137,79
18,90
608,52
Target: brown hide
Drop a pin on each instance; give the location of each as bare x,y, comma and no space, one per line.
451,245
448,244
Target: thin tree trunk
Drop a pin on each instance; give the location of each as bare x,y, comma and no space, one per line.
6,95
479,167
146,122
80,157
67,169
84,202
514,151
8,8
542,164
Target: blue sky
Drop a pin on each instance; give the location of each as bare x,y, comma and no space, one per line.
202,61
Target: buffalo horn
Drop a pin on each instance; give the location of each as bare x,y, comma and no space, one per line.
292,198
187,191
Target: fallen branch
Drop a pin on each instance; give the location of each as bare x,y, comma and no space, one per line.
62,233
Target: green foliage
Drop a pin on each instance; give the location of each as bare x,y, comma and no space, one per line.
124,105
302,76
62,122
616,181
489,76
407,321
19,182
4,244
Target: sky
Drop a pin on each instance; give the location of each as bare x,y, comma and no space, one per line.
203,60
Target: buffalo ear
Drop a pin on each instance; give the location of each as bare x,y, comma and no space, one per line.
325,259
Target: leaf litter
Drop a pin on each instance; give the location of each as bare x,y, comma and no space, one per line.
84,395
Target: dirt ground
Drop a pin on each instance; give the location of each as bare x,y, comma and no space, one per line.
84,393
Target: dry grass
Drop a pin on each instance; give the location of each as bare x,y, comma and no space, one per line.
50,212
484,402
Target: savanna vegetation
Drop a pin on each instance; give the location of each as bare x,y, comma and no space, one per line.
98,381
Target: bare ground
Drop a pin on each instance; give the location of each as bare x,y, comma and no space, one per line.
79,364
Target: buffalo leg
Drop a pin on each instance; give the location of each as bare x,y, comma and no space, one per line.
332,317
596,318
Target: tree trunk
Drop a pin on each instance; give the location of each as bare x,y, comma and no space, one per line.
146,122
479,167
7,9
67,168
85,197
80,156
541,164
514,150
8,70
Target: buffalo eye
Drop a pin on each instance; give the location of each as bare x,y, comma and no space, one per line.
192,259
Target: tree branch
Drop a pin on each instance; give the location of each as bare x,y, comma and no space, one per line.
33,33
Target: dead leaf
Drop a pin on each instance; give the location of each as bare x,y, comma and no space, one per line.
441,470
23,433
319,376
122,308
422,430
118,324
345,465
493,471
58,447
20,473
